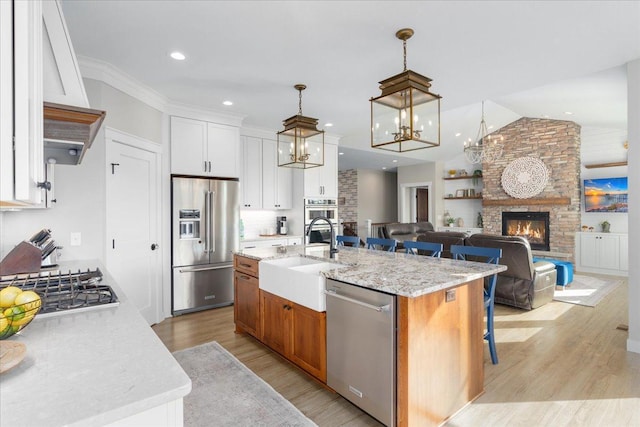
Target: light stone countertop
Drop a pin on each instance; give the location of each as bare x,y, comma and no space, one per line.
391,272
89,368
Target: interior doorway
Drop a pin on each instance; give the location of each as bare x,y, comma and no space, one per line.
408,201
422,204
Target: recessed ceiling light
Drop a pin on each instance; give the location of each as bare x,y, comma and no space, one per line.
384,168
395,161
178,56
340,153
328,125
568,113
458,134
227,103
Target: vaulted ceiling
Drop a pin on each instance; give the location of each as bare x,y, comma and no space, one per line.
525,58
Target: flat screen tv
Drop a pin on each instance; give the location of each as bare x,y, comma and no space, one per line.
605,195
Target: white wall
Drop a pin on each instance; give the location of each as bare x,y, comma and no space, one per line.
377,197
80,190
633,112
425,174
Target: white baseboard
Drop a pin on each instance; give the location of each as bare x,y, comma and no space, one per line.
633,346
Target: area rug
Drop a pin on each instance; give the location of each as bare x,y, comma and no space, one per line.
227,393
586,290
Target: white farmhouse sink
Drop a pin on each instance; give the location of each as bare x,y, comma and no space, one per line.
297,279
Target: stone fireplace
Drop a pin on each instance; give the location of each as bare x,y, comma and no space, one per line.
557,144
533,226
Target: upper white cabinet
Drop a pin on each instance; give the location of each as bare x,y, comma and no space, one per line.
62,79
204,148
277,182
322,181
605,253
21,114
251,179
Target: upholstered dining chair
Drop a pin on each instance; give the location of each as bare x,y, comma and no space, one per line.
354,240
490,256
412,247
381,244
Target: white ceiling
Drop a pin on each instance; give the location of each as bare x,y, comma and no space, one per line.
525,58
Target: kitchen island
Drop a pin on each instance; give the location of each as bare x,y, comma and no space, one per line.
439,318
102,366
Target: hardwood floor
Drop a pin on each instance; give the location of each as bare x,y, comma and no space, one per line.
560,365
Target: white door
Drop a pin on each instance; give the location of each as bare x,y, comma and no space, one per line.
133,216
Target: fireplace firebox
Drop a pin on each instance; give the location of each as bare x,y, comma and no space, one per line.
533,226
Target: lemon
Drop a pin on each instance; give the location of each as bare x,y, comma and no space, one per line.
8,296
29,300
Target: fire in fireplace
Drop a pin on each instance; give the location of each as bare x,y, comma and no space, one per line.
533,226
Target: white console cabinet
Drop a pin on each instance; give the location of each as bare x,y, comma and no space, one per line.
605,253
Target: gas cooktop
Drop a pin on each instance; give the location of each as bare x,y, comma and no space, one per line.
61,292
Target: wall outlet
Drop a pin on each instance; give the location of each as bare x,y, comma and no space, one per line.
75,239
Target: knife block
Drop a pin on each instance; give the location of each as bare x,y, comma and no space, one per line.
24,258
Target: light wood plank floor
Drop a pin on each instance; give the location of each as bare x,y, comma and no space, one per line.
560,365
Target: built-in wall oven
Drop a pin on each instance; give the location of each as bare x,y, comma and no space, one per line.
317,208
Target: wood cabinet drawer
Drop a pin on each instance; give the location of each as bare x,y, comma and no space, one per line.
246,265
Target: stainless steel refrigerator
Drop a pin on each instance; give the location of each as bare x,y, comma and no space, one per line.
205,232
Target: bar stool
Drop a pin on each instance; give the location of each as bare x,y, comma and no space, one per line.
411,247
390,244
491,256
354,240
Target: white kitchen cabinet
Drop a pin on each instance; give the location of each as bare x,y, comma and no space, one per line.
262,243
62,79
277,182
294,241
204,148
605,253
251,178
322,182
21,113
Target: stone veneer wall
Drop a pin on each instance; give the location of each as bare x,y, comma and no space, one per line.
348,192
557,144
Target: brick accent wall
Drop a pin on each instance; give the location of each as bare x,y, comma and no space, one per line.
557,144
348,192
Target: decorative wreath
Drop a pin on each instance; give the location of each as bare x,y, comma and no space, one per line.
525,177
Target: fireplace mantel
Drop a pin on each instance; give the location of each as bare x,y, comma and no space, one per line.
548,201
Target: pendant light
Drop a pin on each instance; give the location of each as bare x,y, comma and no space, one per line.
406,116
486,148
300,144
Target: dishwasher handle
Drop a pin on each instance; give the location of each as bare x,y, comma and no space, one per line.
377,308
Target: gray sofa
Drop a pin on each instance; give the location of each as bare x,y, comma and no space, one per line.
401,231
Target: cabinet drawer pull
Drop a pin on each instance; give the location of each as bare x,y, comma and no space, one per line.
245,265
244,277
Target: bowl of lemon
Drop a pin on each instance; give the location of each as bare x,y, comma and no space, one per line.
17,309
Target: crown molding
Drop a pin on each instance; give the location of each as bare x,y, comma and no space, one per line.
103,71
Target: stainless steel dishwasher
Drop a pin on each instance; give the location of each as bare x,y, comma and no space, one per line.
361,348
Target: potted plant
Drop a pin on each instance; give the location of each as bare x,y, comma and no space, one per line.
605,226
450,221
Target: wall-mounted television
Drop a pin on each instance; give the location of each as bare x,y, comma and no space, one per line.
606,195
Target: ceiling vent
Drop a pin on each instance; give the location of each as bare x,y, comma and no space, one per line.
69,132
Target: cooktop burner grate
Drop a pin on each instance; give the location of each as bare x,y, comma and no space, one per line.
64,291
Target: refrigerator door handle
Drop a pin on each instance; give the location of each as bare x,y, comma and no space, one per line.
207,222
212,224
195,270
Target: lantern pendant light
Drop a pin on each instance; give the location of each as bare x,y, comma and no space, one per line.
300,144
406,116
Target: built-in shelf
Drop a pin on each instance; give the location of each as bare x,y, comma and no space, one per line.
605,165
464,198
462,177
527,202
